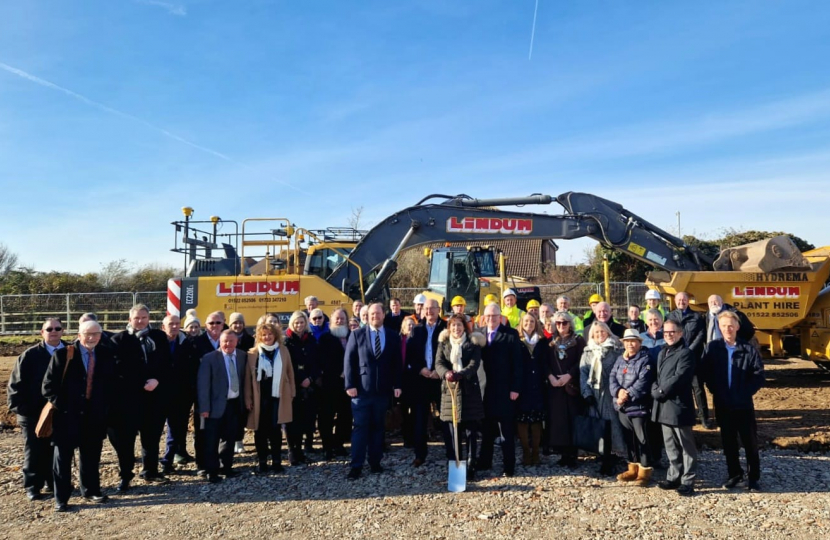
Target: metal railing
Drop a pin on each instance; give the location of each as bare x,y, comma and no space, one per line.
24,313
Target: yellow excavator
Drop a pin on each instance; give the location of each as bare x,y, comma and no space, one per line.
780,290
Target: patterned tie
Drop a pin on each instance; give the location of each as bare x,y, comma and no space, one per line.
90,371
234,375
377,344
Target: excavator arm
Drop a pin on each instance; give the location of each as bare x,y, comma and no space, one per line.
464,219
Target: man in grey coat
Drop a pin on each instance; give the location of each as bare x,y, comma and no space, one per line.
221,404
674,409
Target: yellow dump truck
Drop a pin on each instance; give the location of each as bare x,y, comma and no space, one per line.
788,304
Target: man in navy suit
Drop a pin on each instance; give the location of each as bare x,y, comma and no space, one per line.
372,369
220,399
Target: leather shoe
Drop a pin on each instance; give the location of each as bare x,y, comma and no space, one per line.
167,468
733,481
33,495
753,485
182,459
123,486
262,468
708,424
685,490
354,474
48,488
418,462
376,469
508,474
213,478
155,478
61,507
97,499
229,473
201,472
278,468
668,484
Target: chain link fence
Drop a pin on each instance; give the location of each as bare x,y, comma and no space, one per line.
25,313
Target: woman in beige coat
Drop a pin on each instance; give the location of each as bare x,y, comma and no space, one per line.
269,392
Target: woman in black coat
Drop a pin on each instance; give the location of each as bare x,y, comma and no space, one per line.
457,363
563,400
304,356
532,407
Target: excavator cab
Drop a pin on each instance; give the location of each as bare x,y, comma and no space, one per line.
455,271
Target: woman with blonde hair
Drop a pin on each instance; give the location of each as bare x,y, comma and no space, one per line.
269,391
595,369
531,405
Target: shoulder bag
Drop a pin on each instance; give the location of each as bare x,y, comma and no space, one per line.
43,430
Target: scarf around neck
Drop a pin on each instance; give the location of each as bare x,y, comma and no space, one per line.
455,353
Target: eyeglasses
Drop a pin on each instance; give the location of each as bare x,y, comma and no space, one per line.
316,318
53,329
211,323
670,332
562,323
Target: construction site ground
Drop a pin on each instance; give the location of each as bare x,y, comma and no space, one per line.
404,502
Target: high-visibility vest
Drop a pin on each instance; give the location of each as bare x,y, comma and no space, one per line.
579,325
660,308
514,315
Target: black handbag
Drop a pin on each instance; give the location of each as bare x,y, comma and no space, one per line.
588,432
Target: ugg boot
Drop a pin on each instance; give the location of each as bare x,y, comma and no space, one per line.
631,474
522,432
643,476
535,442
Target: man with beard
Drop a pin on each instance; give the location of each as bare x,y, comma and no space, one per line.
335,418
143,366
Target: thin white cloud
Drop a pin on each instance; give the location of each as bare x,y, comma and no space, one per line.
43,82
173,9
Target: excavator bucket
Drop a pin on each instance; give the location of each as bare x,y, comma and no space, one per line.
770,255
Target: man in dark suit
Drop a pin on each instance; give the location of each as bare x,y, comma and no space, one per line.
674,409
205,343
502,360
221,404
734,373
372,371
183,372
143,369
25,399
421,350
694,334
395,317
79,383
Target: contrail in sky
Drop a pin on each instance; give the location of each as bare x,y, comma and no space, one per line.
127,116
533,30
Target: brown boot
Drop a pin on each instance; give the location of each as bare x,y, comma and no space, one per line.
535,442
631,474
643,476
522,432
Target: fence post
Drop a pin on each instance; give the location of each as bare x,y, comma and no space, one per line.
68,314
2,317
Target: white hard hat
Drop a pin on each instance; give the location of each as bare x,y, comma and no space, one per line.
508,292
420,299
652,295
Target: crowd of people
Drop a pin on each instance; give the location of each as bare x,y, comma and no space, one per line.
545,376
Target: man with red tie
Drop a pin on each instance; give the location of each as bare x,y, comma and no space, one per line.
79,383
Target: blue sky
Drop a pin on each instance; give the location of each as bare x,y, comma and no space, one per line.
114,114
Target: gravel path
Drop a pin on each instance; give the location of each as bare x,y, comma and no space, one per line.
403,502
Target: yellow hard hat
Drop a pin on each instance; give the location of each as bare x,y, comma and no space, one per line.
594,298
458,301
533,304
490,299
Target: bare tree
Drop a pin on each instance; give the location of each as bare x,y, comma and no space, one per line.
114,274
355,220
8,260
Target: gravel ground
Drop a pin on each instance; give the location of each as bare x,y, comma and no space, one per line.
404,502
